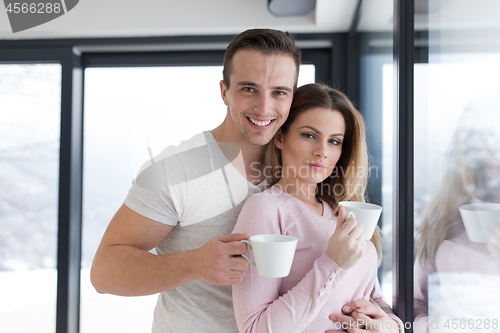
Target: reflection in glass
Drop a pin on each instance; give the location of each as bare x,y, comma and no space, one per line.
457,162
30,104
456,274
130,115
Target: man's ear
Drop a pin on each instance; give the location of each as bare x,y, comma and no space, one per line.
223,92
278,139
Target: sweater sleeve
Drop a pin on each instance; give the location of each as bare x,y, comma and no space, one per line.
378,297
257,304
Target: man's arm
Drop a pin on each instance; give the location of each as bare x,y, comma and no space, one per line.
124,266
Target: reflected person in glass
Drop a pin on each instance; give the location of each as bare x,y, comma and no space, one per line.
494,243
319,159
457,280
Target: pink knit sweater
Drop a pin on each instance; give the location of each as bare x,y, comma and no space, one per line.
316,286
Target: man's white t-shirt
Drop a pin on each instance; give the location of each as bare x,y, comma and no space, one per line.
195,188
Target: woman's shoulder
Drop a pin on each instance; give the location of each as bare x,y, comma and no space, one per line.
261,199
273,200
270,196
261,213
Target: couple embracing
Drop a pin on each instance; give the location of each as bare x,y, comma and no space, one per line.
190,203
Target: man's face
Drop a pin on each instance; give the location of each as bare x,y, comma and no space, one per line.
260,94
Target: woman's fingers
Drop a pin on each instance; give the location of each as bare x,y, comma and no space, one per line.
362,316
342,321
348,226
346,246
357,232
364,306
358,322
341,217
362,320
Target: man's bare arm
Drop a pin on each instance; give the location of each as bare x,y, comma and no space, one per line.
124,266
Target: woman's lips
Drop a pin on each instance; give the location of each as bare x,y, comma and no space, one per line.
317,166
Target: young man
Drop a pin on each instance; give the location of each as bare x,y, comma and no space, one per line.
185,202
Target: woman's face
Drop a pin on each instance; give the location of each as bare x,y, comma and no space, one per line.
311,148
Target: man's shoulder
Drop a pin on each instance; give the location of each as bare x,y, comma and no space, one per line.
169,166
195,152
198,140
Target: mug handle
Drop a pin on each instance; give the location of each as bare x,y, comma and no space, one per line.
351,214
244,256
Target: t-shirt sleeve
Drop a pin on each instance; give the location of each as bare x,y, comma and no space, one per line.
150,193
257,303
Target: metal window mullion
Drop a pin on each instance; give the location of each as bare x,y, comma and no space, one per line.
353,55
404,11
70,195
338,60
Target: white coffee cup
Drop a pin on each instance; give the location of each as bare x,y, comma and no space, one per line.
480,219
273,254
366,214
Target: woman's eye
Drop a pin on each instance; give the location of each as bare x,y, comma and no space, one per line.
335,142
308,135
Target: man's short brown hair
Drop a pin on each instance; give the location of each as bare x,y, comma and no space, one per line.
267,41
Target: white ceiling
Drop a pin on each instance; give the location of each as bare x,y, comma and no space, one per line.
145,18
127,18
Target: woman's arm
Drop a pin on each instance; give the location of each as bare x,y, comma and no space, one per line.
367,316
374,315
257,304
378,298
259,308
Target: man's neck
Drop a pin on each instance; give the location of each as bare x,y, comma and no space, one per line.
249,162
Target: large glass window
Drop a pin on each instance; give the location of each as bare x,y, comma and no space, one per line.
131,114
376,105
457,171
30,106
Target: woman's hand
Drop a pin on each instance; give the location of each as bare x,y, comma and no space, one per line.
347,244
364,316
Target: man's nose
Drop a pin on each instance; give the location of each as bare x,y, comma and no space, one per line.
263,105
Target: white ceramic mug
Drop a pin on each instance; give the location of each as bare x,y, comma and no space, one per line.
273,254
366,214
480,219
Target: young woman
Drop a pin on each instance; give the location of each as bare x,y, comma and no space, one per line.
319,158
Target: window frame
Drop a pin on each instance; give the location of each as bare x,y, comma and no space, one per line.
74,55
70,175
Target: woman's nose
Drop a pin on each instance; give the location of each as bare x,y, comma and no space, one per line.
321,151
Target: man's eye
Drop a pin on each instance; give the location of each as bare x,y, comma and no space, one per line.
280,93
249,89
